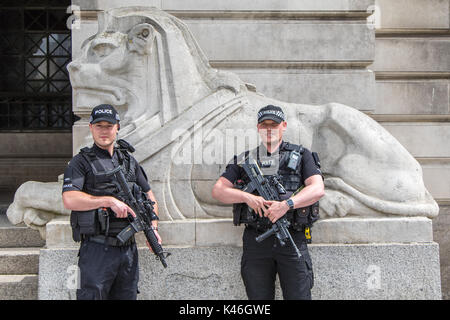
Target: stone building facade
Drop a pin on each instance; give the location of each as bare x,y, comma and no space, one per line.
389,59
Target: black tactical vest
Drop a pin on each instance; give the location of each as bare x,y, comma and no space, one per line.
292,181
104,185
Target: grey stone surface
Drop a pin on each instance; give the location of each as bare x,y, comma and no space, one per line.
87,28
373,230
412,97
441,227
205,232
422,139
18,236
354,88
222,232
18,287
36,144
249,40
412,54
33,156
19,261
436,175
306,5
409,271
15,171
414,13
293,83
372,271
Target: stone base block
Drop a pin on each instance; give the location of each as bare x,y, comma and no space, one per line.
342,271
206,232
222,232
373,230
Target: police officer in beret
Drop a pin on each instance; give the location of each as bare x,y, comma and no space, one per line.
108,268
299,173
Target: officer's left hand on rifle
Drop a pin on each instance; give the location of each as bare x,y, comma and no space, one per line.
276,210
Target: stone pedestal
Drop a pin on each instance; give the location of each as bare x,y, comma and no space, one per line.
387,258
221,232
351,271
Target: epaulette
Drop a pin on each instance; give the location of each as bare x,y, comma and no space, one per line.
86,150
291,147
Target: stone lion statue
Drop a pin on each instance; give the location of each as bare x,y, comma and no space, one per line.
182,116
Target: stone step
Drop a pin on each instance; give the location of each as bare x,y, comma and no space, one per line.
18,236
15,261
19,287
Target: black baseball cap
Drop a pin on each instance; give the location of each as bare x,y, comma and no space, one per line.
271,112
104,112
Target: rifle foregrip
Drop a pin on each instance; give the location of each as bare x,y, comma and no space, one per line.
156,247
265,235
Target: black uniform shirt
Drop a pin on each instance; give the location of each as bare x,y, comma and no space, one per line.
79,171
308,167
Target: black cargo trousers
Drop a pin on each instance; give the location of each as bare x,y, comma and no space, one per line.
262,261
107,272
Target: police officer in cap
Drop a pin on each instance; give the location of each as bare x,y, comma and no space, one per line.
299,173
108,268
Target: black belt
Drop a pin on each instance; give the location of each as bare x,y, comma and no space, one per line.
110,241
261,230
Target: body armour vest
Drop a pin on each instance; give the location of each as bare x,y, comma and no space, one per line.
289,175
106,185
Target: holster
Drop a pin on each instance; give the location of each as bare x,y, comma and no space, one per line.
242,214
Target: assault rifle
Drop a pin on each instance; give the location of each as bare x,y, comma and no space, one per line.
269,189
144,215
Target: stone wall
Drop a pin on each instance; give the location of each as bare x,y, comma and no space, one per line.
412,72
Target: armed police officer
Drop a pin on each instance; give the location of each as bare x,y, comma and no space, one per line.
298,172
108,267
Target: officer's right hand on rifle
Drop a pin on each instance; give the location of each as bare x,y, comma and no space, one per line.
257,203
120,208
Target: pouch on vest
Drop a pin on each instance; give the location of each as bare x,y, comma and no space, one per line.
83,223
301,216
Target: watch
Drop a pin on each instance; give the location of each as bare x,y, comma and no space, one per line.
290,203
